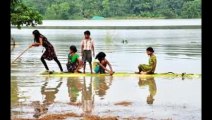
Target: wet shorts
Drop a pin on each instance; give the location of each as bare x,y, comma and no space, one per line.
87,56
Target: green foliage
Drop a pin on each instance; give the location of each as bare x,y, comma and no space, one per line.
191,9
58,10
22,15
86,9
168,13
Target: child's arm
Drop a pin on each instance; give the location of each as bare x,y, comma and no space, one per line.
93,49
82,47
103,67
109,65
80,64
36,43
68,60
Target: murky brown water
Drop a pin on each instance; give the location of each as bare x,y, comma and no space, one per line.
124,97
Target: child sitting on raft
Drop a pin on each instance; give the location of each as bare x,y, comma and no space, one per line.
74,62
150,68
100,67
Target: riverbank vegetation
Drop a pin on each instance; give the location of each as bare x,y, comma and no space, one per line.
115,9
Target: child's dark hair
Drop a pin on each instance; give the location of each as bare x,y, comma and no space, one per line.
37,34
100,56
87,32
73,48
150,49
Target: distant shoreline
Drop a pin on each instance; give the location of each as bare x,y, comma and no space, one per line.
113,27
119,24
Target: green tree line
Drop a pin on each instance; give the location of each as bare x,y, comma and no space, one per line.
86,9
22,15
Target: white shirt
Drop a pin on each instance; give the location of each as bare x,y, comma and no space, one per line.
87,44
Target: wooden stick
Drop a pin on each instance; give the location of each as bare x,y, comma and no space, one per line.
20,55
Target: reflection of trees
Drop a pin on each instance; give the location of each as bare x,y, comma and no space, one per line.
50,93
74,87
101,84
150,82
87,96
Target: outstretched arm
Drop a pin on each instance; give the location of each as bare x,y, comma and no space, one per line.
36,43
109,71
109,65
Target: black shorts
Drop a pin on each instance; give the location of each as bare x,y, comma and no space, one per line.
87,56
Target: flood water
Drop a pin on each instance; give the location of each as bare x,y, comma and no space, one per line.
177,50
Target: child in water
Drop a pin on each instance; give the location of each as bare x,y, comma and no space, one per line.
87,48
150,68
74,62
100,67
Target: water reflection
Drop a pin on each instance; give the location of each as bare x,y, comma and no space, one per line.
52,95
87,95
87,88
50,92
74,87
101,84
14,91
150,82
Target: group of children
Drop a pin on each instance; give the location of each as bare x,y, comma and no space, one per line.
87,50
74,63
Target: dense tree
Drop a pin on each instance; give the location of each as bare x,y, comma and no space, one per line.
191,9
23,15
58,11
86,9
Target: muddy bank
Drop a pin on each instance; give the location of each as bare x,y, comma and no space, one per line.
123,103
82,117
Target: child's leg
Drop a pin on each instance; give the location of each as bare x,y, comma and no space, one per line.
140,68
44,63
70,67
84,67
58,63
67,66
89,59
91,67
84,60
